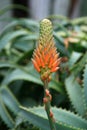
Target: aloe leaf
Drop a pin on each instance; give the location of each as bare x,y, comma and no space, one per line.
57,86
32,36
79,66
9,99
63,116
29,74
5,115
6,64
26,55
17,6
64,120
74,57
60,44
20,74
85,83
24,46
25,43
75,94
28,23
9,36
23,22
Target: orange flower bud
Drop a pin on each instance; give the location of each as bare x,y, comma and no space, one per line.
51,114
45,100
47,92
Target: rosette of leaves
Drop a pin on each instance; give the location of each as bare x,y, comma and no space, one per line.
17,41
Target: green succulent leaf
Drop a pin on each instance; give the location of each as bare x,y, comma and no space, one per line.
22,23
19,74
75,94
85,83
9,99
10,36
60,45
80,65
74,58
29,74
6,64
54,84
6,117
65,120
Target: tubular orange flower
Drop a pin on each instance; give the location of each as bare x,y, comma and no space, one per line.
45,57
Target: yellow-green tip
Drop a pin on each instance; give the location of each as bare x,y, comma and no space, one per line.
46,31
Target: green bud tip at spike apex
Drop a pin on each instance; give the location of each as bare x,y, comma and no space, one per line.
46,31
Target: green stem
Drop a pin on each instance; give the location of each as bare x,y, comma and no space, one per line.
48,108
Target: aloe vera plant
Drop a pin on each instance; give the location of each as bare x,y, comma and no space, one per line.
21,89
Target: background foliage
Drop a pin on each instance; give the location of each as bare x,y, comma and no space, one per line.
21,90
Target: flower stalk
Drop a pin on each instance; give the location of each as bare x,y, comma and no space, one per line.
47,101
46,61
